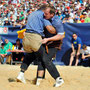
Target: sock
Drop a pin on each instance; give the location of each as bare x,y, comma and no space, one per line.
40,77
22,70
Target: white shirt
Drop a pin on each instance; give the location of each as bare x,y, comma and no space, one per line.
86,51
16,47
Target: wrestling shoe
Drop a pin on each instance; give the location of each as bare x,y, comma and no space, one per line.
21,78
38,81
59,82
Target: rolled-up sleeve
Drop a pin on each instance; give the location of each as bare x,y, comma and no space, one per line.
47,22
58,26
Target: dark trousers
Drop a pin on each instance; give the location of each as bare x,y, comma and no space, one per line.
45,60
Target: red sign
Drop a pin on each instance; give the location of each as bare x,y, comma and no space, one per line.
5,29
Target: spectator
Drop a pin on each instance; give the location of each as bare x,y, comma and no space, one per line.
3,54
13,23
18,20
8,45
18,56
87,19
76,20
85,52
66,19
76,46
7,22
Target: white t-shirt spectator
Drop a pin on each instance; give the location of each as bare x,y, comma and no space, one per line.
86,51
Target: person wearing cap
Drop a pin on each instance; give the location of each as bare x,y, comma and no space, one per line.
18,16
13,23
7,22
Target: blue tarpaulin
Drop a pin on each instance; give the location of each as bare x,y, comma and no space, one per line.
63,56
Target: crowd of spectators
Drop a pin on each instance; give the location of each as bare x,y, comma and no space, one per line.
15,12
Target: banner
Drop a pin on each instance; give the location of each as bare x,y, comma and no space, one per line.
3,30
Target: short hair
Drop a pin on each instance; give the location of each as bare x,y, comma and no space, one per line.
18,40
74,33
52,9
84,46
43,7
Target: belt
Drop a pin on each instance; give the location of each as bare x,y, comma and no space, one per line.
28,31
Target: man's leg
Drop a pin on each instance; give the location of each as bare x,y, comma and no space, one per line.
41,66
71,59
4,60
1,58
46,59
40,72
28,59
77,60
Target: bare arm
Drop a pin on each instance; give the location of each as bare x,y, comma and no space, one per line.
54,38
51,29
87,55
16,50
79,46
72,48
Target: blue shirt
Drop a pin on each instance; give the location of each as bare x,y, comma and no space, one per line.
57,24
76,42
36,22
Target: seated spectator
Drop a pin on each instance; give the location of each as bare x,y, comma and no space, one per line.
76,46
85,52
18,20
7,22
76,20
17,53
13,23
66,19
3,54
8,45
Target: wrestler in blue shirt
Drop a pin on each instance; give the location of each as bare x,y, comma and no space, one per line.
36,22
57,24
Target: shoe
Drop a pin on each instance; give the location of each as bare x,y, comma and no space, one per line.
59,82
21,78
38,81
